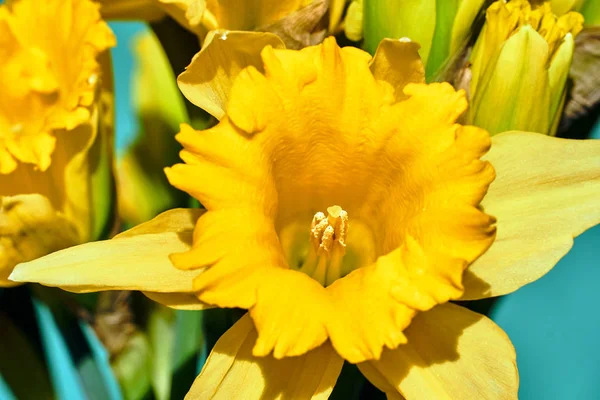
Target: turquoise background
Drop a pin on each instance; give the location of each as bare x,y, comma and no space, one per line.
554,323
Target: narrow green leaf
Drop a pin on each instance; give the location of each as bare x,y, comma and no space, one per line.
65,379
189,338
101,360
161,334
133,367
5,392
20,364
190,350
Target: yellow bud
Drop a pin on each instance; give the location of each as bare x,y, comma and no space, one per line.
519,67
353,22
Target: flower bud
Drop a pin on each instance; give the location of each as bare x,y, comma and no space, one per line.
442,28
520,65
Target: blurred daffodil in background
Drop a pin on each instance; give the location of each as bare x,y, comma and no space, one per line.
521,61
55,128
345,208
292,19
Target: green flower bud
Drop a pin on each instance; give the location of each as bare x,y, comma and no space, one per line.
440,27
520,65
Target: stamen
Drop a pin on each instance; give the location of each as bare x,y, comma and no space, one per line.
328,245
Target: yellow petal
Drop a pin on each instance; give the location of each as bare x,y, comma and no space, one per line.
560,7
231,371
397,62
179,301
207,81
547,192
189,13
336,9
135,260
452,353
34,149
558,72
67,182
30,227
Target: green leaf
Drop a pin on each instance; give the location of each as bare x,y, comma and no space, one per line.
101,363
20,365
189,338
133,367
5,392
160,108
161,333
65,379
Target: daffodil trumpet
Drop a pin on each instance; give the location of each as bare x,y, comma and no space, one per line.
345,209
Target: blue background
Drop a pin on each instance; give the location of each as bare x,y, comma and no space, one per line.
554,323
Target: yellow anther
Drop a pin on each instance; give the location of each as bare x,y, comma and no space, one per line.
328,238
329,231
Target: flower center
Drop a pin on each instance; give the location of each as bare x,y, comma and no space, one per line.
328,245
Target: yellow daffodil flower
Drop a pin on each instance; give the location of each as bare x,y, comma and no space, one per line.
345,208
520,66
201,16
442,28
54,127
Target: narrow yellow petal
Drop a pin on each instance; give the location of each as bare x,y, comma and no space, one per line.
179,301
397,62
336,9
179,220
190,14
452,353
206,82
547,192
135,260
231,371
